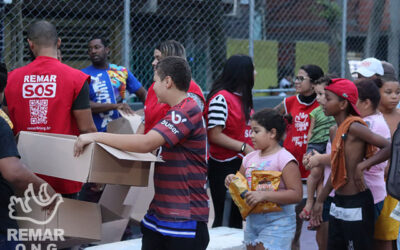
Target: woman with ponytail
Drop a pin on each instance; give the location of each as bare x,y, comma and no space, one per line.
228,110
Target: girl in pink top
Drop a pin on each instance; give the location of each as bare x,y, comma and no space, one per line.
368,101
274,230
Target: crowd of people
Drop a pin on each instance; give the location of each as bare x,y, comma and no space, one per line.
331,139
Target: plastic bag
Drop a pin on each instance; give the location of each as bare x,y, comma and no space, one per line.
238,189
265,181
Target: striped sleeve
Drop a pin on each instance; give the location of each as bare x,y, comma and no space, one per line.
217,112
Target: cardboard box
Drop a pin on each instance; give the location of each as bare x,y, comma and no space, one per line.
142,194
112,227
79,220
113,198
126,124
52,154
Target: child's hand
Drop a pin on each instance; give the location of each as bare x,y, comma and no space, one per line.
313,160
254,197
359,178
316,214
81,142
228,180
306,160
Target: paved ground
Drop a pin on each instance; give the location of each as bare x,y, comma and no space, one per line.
307,239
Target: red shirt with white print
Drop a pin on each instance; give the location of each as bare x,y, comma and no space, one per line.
39,99
296,132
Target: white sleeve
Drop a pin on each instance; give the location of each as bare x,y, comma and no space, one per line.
217,112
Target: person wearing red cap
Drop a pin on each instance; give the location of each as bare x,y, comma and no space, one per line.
351,221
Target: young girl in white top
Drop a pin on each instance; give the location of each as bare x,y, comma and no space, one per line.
274,230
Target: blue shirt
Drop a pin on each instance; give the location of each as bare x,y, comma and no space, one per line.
109,86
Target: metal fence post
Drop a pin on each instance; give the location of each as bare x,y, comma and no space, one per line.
344,33
127,40
251,28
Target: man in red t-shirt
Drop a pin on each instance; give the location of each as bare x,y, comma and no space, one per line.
48,96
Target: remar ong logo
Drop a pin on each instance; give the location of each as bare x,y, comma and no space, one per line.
43,199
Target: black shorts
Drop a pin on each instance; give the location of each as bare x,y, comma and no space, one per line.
351,222
326,208
156,241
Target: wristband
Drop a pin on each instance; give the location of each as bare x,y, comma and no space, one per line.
243,147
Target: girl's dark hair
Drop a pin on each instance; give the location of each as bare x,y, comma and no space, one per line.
367,89
313,71
269,119
237,76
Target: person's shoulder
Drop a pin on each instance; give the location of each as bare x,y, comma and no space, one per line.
189,105
18,71
88,69
251,155
290,99
286,154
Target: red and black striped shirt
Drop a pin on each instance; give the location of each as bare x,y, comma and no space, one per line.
180,181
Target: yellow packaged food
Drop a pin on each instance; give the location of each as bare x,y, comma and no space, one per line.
262,180
238,189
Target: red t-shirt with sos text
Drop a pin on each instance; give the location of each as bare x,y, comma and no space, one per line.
39,99
155,111
296,132
225,109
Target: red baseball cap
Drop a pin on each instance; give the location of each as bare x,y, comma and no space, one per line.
345,89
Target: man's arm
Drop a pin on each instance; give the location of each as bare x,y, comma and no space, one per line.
82,112
141,93
17,174
84,120
102,107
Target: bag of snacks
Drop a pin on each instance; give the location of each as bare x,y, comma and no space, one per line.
262,180
238,189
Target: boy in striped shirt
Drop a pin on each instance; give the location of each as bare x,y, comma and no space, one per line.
178,214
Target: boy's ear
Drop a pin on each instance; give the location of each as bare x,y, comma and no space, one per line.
169,82
343,104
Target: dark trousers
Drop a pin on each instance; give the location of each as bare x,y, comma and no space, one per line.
155,241
217,171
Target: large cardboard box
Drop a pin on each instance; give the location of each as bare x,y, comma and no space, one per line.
79,222
52,154
126,124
